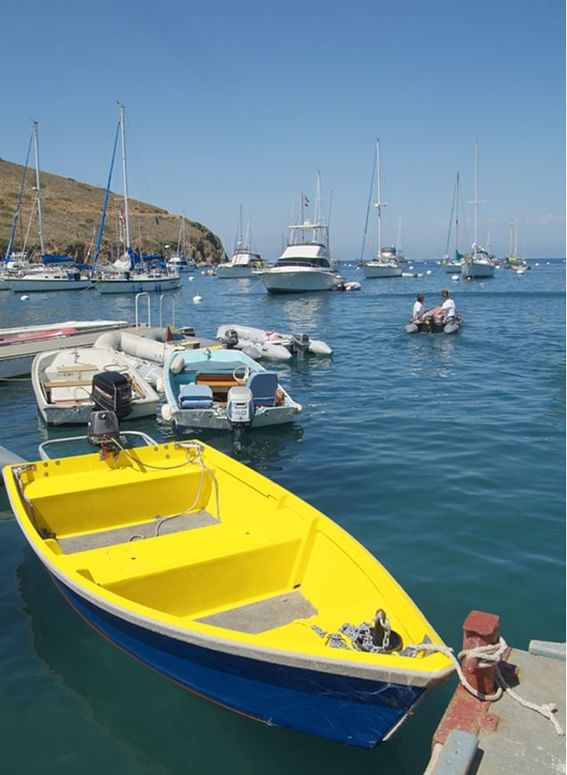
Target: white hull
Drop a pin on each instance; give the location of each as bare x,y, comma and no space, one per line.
455,268
79,414
299,279
216,420
473,270
149,284
374,269
62,384
42,284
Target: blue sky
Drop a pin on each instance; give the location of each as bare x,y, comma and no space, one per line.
240,103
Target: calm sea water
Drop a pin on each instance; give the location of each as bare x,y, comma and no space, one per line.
445,456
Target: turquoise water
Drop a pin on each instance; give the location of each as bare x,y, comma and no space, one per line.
445,456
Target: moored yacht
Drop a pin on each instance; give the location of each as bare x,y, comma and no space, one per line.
132,272
478,264
386,263
305,264
244,262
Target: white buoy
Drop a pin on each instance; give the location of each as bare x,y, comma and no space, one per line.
197,299
24,298
166,412
455,277
191,279
428,271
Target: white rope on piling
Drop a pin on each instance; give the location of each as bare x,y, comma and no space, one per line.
487,654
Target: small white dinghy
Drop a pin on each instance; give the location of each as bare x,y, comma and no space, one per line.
62,381
258,343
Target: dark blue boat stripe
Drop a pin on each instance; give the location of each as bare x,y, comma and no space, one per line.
341,708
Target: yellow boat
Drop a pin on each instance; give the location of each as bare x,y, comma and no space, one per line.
231,586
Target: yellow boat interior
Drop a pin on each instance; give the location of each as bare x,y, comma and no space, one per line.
185,535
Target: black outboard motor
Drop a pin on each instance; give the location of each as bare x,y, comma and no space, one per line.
112,391
230,338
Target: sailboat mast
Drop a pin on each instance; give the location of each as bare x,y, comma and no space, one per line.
38,186
475,199
14,226
457,215
379,204
124,176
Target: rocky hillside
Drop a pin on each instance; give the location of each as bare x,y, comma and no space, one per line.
71,213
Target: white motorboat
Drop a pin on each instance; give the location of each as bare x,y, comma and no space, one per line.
181,263
270,345
244,261
386,263
220,389
62,382
305,264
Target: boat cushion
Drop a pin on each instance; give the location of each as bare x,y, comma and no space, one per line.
194,396
263,385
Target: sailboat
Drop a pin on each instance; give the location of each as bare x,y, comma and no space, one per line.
179,261
56,273
386,263
513,261
454,265
305,264
478,264
132,272
243,262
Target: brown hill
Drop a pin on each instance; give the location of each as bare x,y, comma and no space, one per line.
71,213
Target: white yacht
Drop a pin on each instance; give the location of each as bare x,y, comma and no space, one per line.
181,263
386,263
244,262
305,264
48,279
478,264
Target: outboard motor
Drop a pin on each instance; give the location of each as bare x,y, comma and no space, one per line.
240,406
103,431
300,343
112,391
230,339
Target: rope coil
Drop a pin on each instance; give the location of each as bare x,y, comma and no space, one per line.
486,655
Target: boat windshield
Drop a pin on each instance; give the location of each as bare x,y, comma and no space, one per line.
319,263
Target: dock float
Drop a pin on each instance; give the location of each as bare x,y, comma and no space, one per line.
522,731
16,358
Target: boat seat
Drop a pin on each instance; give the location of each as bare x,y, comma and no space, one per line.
193,396
263,385
67,383
194,572
216,380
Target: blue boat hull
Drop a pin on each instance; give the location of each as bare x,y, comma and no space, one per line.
348,710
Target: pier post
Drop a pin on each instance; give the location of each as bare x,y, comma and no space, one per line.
480,629
465,712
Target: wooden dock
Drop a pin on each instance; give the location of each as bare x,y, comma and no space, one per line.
504,737
16,359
